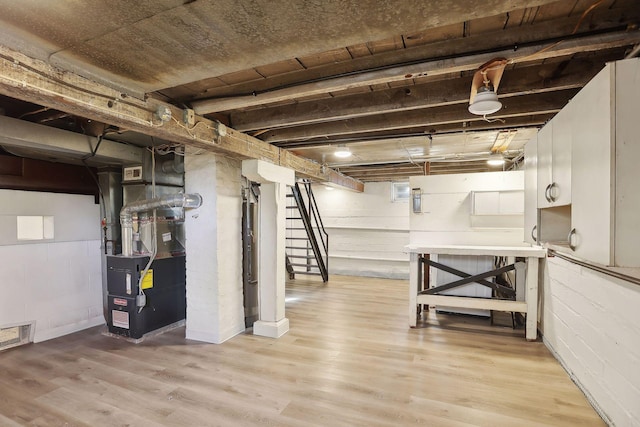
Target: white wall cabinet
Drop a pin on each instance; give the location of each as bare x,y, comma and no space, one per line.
554,160
589,196
606,200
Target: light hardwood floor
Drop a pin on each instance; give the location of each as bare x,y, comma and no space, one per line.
348,360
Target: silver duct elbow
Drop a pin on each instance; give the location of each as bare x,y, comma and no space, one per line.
169,201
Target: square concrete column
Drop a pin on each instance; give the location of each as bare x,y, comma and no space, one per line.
271,244
215,310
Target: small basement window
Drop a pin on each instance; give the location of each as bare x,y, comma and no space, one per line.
400,192
35,227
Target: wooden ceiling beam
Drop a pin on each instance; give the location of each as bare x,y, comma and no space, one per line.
512,107
421,69
601,19
35,81
382,171
517,82
411,168
419,134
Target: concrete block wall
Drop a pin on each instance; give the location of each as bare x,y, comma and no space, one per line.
591,322
367,231
447,210
215,310
57,283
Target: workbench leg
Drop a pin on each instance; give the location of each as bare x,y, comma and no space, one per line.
414,277
532,299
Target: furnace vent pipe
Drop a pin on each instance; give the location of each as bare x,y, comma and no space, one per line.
169,201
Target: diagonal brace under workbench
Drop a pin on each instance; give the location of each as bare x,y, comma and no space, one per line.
467,278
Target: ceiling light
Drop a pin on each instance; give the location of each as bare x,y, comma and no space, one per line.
485,102
495,160
342,151
328,188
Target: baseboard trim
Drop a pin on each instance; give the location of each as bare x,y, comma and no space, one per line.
49,334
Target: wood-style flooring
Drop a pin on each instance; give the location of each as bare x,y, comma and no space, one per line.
350,359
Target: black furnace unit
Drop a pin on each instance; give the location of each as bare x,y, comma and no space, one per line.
164,290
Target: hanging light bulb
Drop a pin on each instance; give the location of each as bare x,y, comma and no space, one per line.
485,102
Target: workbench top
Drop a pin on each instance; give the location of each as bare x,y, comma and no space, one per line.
518,251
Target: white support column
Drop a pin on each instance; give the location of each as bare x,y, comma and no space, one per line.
214,249
271,244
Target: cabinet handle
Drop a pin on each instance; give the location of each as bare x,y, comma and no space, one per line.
570,238
532,233
551,187
546,193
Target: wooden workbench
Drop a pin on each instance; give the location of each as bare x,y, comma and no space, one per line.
528,305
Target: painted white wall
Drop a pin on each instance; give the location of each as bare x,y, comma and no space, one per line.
447,208
367,231
56,283
215,310
592,324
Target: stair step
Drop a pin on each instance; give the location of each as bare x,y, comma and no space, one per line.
296,228
312,273
289,195
302,256
297,238
303,248
294,217
294,264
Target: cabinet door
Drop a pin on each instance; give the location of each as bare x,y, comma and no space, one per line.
544,178
627,200
561,141
591,166
530,191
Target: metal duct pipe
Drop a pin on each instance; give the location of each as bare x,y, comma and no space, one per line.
173,166
169,201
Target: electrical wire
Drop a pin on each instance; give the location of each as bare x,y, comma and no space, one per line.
163,150
484,116
103,205
189,129
408,154
575,30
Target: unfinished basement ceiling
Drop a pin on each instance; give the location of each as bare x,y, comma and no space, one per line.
389,79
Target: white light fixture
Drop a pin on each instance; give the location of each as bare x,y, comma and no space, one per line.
495,160
485,102
342,152
328,188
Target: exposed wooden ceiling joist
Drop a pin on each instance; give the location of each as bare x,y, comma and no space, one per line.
426,68
402,171
394,87
36,81
533,121
151,45
512,107
519,34
516,82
